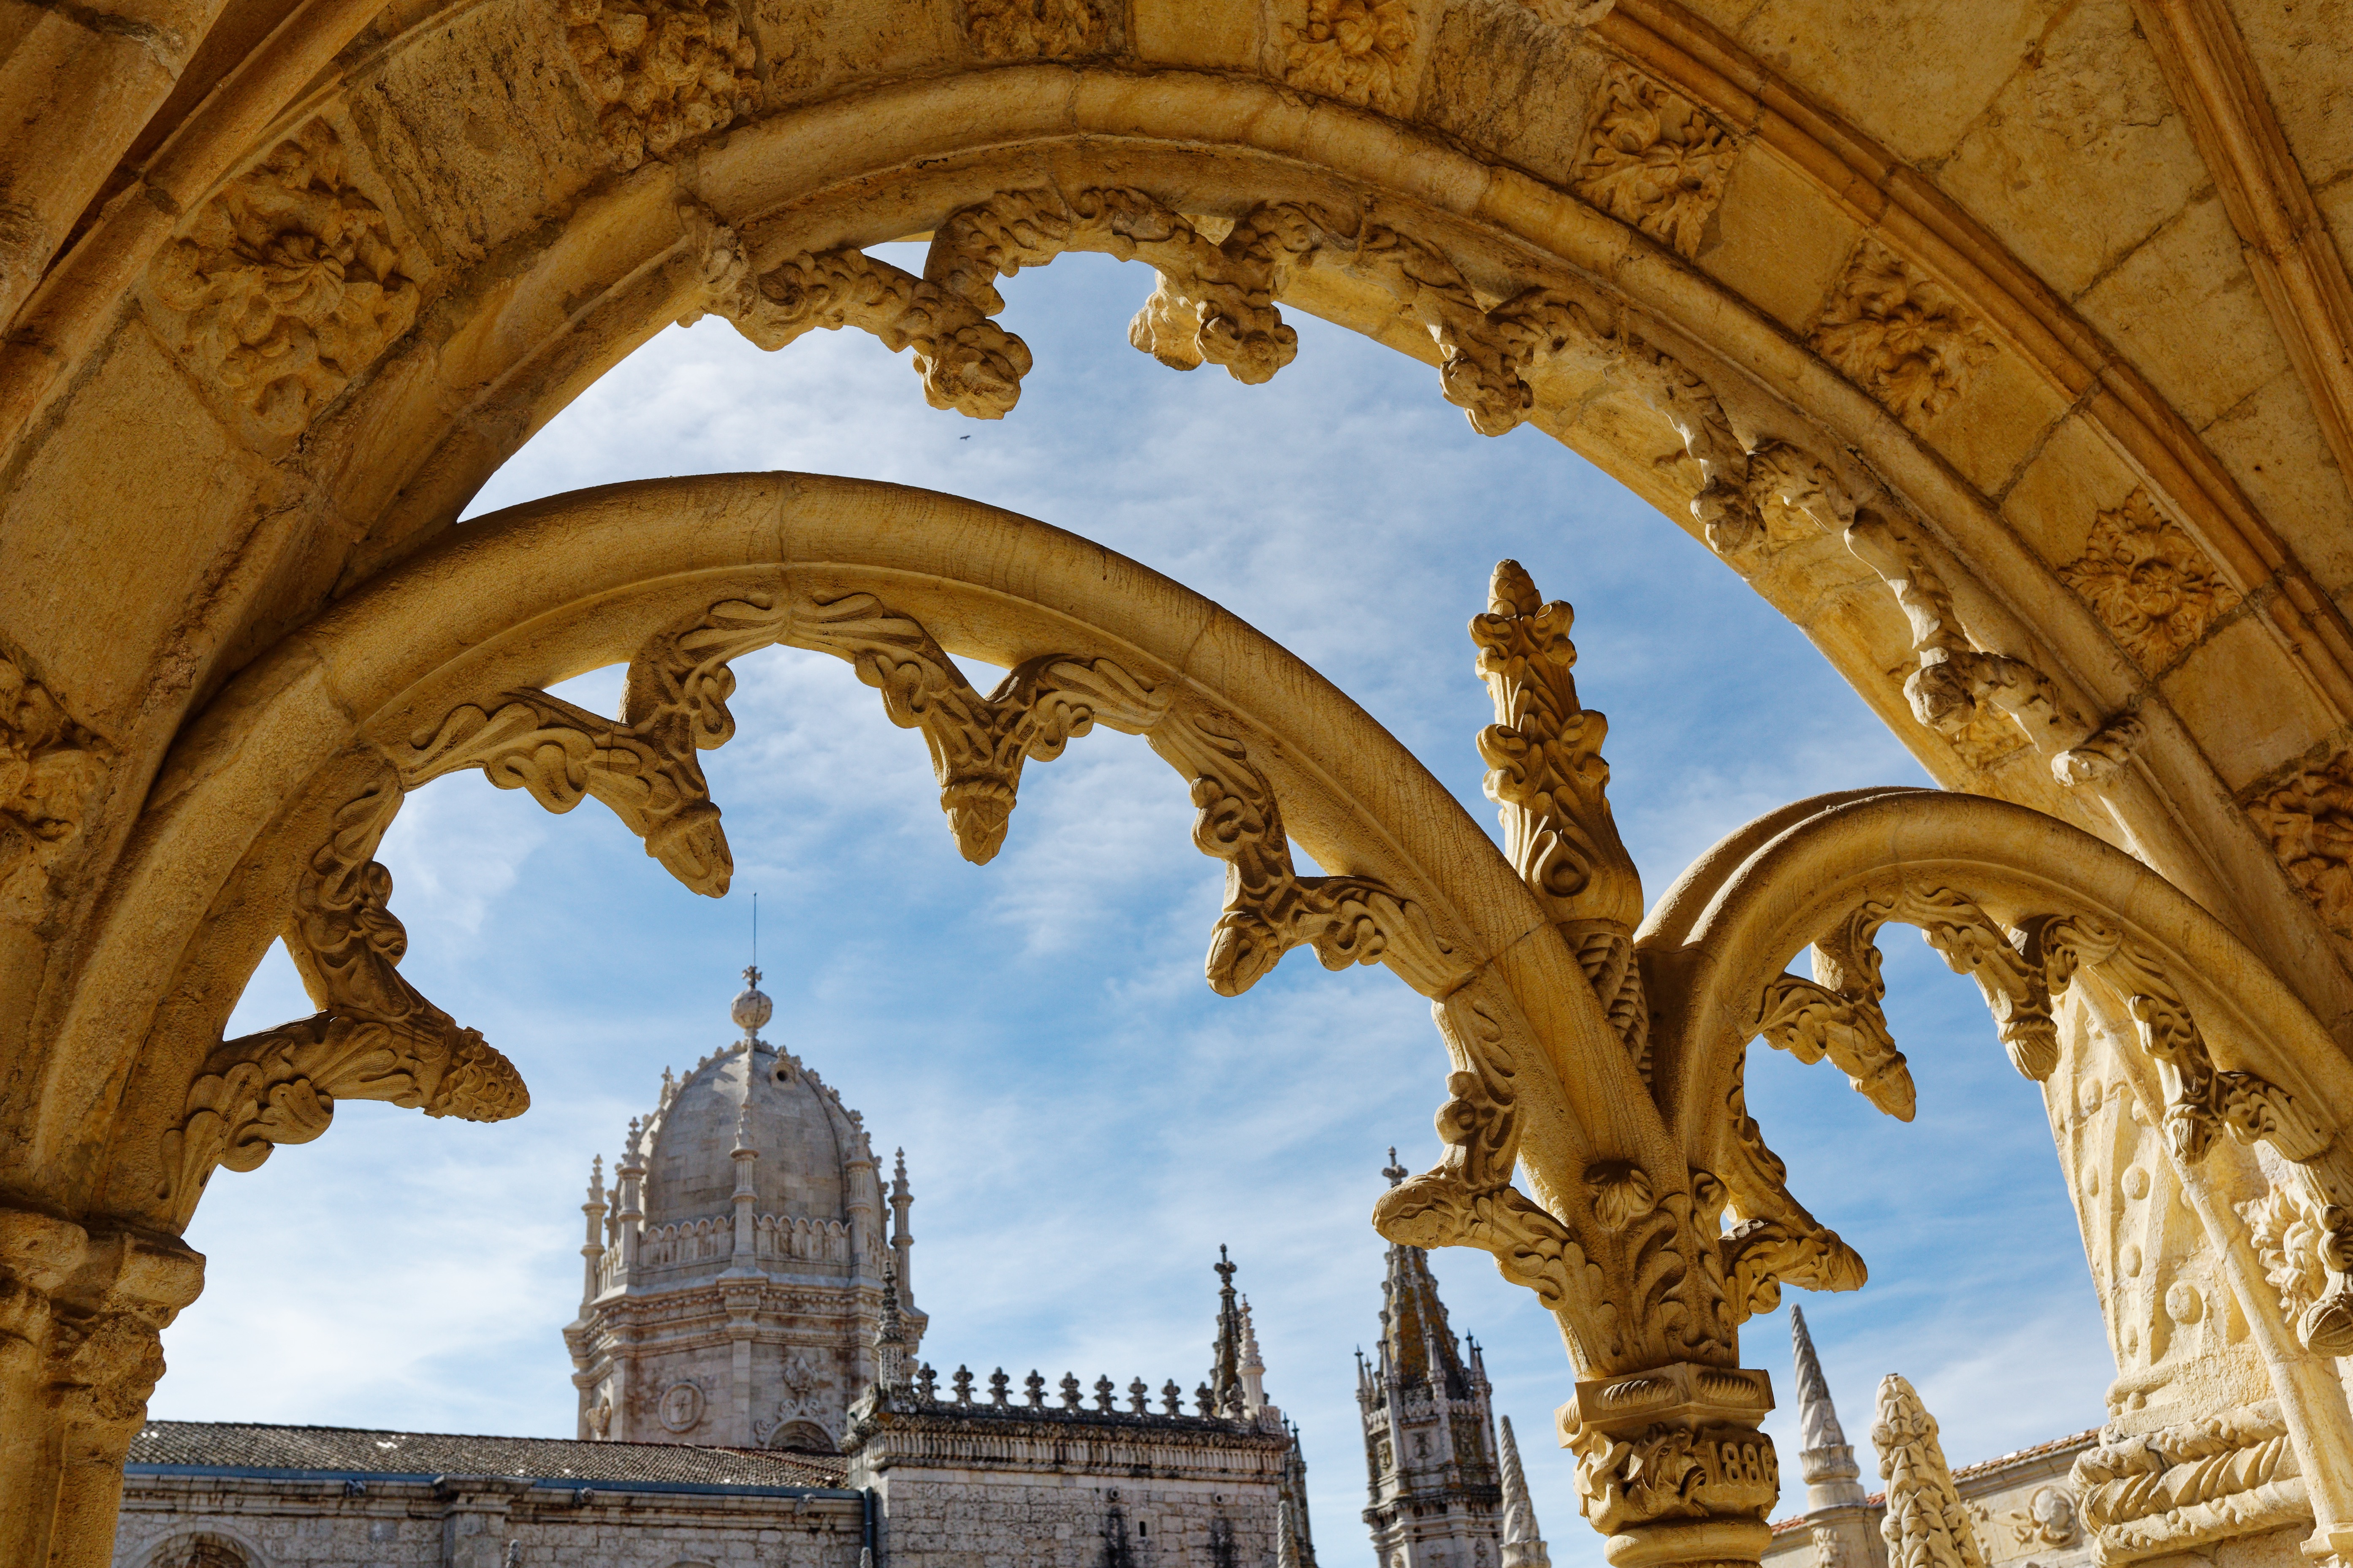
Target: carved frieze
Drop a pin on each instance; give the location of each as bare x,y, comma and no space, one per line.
1269,908
1654,159
51,769
1672,1442
288,283
1035,29
1900,335
978,744
660,73
2150,580
1359,51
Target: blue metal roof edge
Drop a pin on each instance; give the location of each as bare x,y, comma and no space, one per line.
429,1477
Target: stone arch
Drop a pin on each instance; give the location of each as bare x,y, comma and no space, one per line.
204,1549
2004,503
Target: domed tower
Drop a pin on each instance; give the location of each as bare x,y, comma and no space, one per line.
736,1270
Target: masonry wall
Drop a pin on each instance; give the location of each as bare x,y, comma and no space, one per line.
271,1522
990,1519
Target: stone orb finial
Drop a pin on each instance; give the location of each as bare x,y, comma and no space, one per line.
752,1007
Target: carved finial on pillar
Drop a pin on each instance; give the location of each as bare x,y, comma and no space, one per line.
1824,1459
1393,1170
891,1339
902,1240
1925,1525
1253,1369
1524,1544
1286,1536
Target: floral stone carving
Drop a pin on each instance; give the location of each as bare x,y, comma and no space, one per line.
1654,159
288,283
661,72
2148,580
2309,822
1925,1525
1034,29
1900,335
50,768
1353,49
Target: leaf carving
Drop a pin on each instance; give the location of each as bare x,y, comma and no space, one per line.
1269,909
978,744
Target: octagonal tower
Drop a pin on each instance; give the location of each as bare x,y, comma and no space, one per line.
736,1270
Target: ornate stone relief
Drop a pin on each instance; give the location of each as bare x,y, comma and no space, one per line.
978,744
1654,159
642,766
1269,908
51,769
1545,771
1925,1525
2308,820
375,1038
967,362
2047,1520
1704,1459
1954,681
1900,335
288,283
660,73
1035,29
1777,1241
2183,1488
1356,50
2148,580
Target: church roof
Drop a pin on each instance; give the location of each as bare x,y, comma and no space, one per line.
168,1447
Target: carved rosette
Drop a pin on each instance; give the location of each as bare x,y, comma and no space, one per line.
660,73
2150,580
1900,335
1654,159
288,283
1035,29
1359,51
51,770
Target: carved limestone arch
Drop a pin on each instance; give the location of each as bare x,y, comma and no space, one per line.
436,668
1628,349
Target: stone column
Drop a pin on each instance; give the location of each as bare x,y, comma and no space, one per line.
1671,1467
475,1519
80,1319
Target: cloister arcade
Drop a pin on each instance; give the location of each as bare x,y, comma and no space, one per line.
2009,349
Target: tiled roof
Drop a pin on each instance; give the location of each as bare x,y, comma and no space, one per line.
165,1447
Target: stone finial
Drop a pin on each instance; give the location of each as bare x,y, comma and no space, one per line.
744,1149
999,1389
927,1380
1925,1525
1202,1401
1524,1544
1036,1386
1253,1369
1393,1170
963,1381
889,1336
1286,1535
596,1180
1105,1389
1070,1387
752,1008
1139,1397
1226,1350
1824,1459
1172,1398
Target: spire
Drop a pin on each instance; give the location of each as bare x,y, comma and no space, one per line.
1524,1546
1225,1366
1286,1536
902,1240
1393,1170
1823,1458
1418,1346
1253,1369
1925,1525
890,1338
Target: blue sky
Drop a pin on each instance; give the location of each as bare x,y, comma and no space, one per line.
1084,1120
